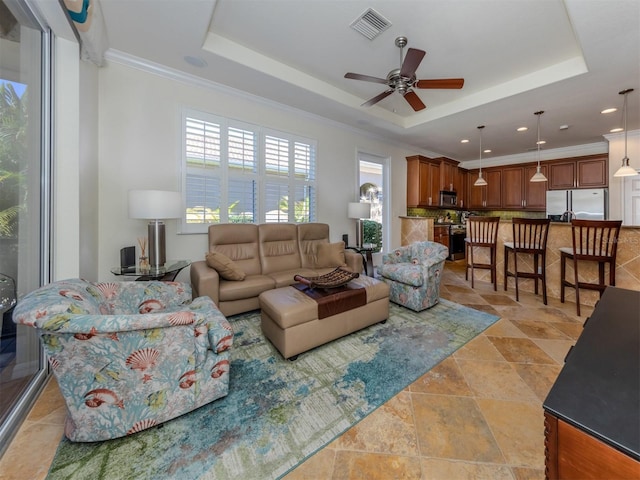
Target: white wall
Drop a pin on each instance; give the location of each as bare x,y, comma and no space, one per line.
616,153
140,141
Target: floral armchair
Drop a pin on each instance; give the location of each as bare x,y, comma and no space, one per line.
129,355
413,273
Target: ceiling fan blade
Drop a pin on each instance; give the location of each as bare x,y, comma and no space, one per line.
366,78
411,62
414,101
377,98
440,83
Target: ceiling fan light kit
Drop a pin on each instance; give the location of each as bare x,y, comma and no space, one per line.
403,79
625,170
538,176
480,182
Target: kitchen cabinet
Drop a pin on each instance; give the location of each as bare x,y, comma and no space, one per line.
423,182
460,187
448,172
592,172
441,234
562,175
519,193
580,172
489,196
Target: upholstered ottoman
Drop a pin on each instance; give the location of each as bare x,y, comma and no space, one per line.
295,322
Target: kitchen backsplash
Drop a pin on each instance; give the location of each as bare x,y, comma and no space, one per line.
454,214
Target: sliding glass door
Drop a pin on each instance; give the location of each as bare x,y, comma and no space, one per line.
24,183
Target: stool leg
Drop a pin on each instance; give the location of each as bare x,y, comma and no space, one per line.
535,272
544,278
563,259
601,277
472,272
506,264
576,285
494,268
612,272
515,274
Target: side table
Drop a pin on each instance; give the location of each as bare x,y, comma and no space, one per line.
167,273
367,257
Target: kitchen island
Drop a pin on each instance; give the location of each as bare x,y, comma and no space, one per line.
415,229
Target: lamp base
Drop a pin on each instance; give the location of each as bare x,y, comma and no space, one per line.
359,233
157,250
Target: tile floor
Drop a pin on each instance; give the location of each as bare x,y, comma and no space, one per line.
477,415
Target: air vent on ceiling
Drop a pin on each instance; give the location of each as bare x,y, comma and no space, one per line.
370,24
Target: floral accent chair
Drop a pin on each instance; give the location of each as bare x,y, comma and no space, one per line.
413,273
129,355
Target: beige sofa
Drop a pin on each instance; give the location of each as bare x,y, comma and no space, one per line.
265,257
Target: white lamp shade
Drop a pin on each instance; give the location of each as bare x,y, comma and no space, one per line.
154,204
359,210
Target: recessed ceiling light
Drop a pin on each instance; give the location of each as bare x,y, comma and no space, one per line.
522,129
195,61
464,140
609,110
616,130
488,150
564,127
541,142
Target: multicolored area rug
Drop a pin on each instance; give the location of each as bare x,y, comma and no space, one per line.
279,412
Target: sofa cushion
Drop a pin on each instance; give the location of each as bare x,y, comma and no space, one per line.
330,255
226,267
251,286
285,278
239,242
278,247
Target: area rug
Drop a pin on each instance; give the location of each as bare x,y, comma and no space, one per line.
280,412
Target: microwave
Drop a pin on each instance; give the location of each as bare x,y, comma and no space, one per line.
448,199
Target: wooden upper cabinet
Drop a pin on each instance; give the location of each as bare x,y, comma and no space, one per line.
494,188
518,192
513,194
434,184
423,182
475,194
580,172
489,196
592,172
460,187
562,175
535,192
448,171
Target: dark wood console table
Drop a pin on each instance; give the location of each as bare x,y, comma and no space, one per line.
592,413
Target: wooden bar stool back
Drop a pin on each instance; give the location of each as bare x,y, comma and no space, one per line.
482,232
529,237
593,241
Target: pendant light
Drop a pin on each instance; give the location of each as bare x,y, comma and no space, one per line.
480,182
538,176
625,170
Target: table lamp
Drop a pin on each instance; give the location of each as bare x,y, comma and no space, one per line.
359,211
155,205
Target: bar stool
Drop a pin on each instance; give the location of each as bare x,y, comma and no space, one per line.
529,237
594,241
482,232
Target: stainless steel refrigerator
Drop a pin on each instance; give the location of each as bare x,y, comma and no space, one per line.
587,204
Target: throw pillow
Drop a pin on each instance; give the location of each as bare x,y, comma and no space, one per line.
330,255
226,267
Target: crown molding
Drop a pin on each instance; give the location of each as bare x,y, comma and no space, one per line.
551,154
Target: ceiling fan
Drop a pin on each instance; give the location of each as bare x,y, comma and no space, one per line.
403,79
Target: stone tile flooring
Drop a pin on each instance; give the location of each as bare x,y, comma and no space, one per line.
476,415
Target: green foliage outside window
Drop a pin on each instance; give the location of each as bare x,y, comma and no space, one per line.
13,148
372,234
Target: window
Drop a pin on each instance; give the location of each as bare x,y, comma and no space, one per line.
24,202
240,173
